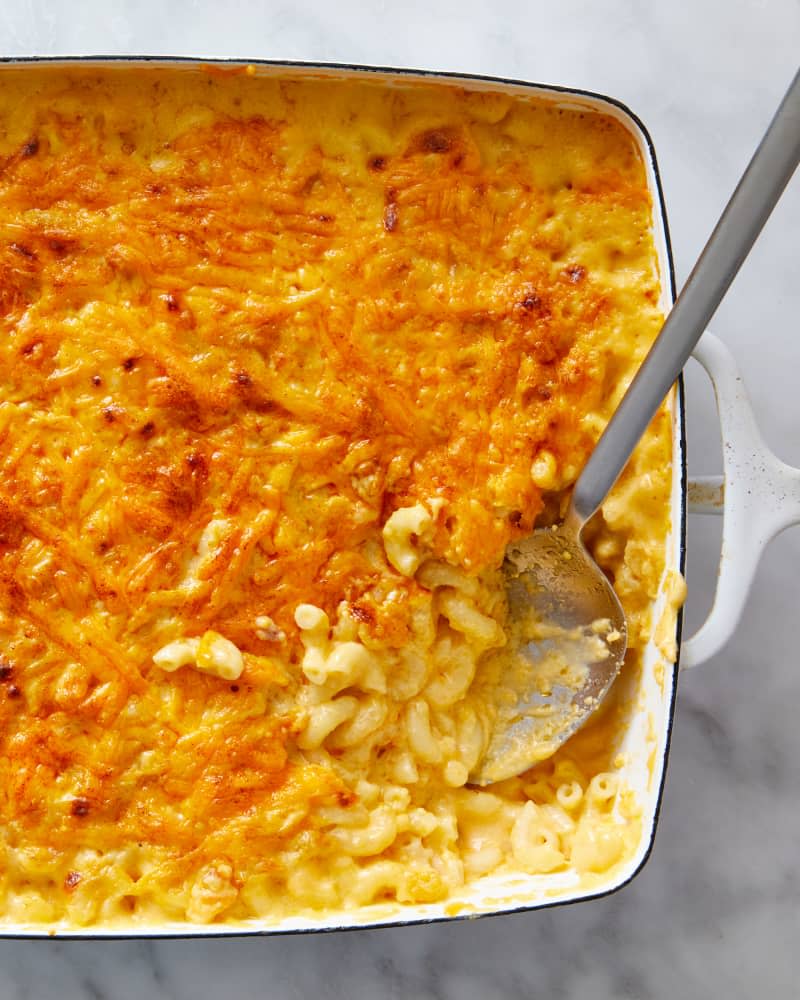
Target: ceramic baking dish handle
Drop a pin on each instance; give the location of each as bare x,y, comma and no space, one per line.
758,496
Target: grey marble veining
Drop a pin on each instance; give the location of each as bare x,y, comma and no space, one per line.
716,912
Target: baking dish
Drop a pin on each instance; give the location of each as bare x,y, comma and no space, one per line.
646,739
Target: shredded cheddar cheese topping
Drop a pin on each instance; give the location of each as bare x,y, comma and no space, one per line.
284,365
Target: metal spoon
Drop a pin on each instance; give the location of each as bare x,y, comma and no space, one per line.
550,576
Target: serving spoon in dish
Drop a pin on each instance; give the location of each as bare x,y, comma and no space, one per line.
569,636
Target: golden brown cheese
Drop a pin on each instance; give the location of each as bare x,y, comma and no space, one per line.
243,322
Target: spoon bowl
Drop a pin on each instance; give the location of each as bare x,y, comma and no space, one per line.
568,641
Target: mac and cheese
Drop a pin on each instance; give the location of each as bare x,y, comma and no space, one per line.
284,365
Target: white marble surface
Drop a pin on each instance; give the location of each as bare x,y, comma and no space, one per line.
716,912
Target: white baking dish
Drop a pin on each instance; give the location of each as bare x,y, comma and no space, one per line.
756,506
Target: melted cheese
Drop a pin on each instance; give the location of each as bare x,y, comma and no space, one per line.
246,324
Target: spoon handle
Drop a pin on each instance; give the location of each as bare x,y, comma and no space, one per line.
758,191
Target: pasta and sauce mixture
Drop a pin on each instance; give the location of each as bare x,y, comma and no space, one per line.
284,365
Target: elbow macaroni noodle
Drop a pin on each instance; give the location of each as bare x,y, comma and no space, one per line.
276,390
212,654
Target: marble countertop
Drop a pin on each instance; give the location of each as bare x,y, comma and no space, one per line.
716,912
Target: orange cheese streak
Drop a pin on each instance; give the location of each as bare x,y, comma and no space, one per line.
290,307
